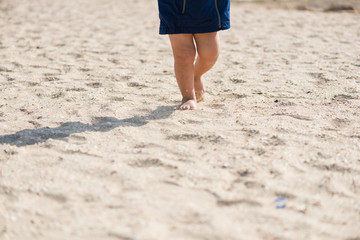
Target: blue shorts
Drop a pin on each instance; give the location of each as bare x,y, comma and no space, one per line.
193,16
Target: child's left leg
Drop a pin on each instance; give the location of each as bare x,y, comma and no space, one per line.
208,48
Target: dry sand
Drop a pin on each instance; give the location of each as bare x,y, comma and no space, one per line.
91,147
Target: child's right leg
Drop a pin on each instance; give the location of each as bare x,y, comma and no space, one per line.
184,55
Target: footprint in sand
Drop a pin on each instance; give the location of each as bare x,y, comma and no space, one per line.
94,84
221,202
136,85
186,137
58,197
341,122
151,162
50,77
343,97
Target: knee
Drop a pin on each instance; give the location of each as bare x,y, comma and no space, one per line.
209,58
185,56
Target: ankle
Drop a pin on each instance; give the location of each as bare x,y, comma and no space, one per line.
188,95
197,78
185,99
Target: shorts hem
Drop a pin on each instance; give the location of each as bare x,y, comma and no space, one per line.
189,30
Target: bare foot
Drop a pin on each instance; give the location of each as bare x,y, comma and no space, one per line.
199,89
187,104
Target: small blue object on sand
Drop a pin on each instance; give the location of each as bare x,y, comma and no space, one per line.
280,202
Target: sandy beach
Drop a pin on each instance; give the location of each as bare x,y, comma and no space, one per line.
92,148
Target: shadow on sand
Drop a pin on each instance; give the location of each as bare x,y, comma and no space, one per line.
100,124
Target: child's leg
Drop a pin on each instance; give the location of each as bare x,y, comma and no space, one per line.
184,55
208,48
